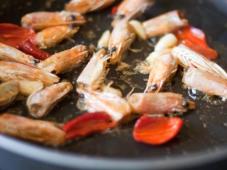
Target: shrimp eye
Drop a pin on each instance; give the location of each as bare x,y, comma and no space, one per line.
185,103
72,17
153,87
54,72
120,16
188,104
114,49
36,61
81,95
195,94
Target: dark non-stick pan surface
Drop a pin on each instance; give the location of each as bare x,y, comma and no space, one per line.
204,135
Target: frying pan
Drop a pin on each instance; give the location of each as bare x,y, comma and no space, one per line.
203,139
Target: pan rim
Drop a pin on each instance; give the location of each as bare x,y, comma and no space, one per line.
69,160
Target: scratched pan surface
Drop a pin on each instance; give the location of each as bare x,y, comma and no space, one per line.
203,138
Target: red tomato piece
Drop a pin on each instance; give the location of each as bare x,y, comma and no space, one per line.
205,51
114,10
195,39
192,34
29,48
21,38
13,35
88,123
156,130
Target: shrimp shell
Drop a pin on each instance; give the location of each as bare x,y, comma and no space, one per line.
129,9
110,103
16,71
8,92
65,61
167,41
162,67
187,58
121,39
8,53
26,87
205,82
164,23
41,20
95,71
43,101
51,36
35,130
157,103
84,6
104,40
138,29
